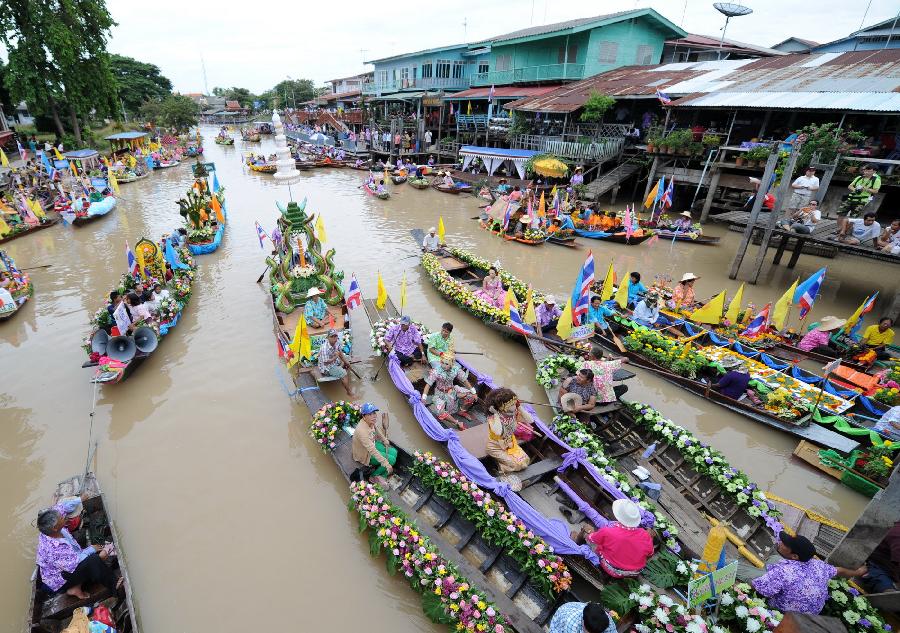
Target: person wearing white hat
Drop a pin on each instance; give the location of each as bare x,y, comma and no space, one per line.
432,242
547,314
315,309
332,361
683,294
624,547
818,339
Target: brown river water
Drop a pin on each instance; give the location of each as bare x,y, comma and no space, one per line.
229,516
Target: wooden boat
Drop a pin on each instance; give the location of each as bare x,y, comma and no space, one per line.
842,470
452,190
666,234
398,180
16,232
165,164
50,612
95,210
615,238
419,183
131,177
23,292
224,140
268,168
511,237
382,196
250,137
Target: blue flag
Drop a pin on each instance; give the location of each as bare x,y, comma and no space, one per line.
149,162
172,257
215,183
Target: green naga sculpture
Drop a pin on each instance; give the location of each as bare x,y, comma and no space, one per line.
294,224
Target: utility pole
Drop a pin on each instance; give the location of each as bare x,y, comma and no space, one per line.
205,84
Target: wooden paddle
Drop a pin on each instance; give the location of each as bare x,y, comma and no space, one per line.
618,343
375,377
470,353
36,267
263,274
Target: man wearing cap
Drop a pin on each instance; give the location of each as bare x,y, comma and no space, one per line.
431,243
315,309
582,617
439,343
818,339
371,446
624,547
332,361
803,188
800,581
405,340
862,188
646,311
547,314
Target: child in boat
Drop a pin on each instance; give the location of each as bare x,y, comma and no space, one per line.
453,393
507,421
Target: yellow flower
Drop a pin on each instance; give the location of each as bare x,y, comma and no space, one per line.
437,591
482,605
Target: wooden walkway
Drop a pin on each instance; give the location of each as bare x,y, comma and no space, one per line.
611,179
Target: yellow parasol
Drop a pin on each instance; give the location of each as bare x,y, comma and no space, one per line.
551,167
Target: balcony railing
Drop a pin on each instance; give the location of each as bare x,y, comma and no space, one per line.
550,72
597,149
421,83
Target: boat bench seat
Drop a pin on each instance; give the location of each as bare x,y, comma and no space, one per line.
61,605
537,470
474,440
320,377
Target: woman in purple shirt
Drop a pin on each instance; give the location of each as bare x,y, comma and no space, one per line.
734,383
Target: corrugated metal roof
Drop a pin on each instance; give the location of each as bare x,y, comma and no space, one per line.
557,26
860,81
502,91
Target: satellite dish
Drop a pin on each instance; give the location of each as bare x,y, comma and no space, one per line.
729,10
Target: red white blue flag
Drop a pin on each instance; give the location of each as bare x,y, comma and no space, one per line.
666,200
759,323
516,323
663,97
581,296
806,293
491,94
133,267
354,296
260,233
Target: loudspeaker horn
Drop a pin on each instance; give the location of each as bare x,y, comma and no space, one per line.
145,339
99,341
121,348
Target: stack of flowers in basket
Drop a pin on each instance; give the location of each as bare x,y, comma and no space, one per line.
854,610
743,610
380,329
182,285
548,368
168,309
329,420
659,612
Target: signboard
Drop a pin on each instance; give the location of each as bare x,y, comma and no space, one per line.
432,101
709,585
581,332
210,167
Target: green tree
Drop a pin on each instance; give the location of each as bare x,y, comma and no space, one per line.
138,81
596,106
178,111
294,91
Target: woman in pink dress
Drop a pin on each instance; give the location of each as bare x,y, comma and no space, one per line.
492,289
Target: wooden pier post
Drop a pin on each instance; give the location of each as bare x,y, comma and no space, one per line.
754,214
713,185
783,188
651,177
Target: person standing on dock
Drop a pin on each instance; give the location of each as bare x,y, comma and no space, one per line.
803,188
861,191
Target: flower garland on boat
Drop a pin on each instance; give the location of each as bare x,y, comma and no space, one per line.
679,357
577,435
744,610
519,287
497,525
548,368
167,310
659,612
536,235
854,610
765,340
447,596
328,421
459,293
708,461
379,331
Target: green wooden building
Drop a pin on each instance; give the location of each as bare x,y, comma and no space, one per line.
572,50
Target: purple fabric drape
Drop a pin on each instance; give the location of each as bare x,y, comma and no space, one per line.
596,518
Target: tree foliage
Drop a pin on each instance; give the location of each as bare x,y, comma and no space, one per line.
175,111
596,106
138,81
826,140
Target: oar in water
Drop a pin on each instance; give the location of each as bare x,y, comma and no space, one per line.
375,377
36,267
262,274
470,353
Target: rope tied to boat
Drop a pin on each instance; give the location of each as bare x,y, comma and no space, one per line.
87,460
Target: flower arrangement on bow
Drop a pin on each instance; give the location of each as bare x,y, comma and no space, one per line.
447,596
707,461
548,368
328,421
379,331
303,272
887,395
577,435
743,610
519,287
184,254
168,309
659,612
459,293
496,524
101,319
182,284
536,235
680,357
766,340
203,234
854,610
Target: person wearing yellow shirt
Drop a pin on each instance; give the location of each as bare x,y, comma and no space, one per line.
879,336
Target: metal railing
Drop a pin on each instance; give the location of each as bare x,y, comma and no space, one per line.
420,83
595,149
547,72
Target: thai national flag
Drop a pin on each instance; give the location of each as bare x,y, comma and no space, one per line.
759,323
806,293
133,267
663,97
516,323
22,153
260,234
354,296
507,215
666,200
491,94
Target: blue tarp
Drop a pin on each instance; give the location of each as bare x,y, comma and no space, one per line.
98,208
165,327
124,136
80,154
205,249
474,150
597,235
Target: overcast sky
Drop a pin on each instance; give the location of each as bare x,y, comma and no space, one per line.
254,47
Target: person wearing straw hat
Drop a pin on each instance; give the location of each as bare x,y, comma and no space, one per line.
315,309
683,294
624,547
734,383
431,243
818,339
683,223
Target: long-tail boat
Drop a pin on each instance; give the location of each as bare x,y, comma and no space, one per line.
95,209
20,288
50,612
535,240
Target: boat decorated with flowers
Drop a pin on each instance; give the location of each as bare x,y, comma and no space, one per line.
418,183
90,524
260,165
15,287
119,341
531,237
250,136
96,206
27,216
383,195
204,211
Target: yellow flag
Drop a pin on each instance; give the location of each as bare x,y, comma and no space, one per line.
542,206
4,161
780,312
509,299
469,108
652,195
553,192
58,155
112,181
622,292
711,313
36,207
4,227
300,345
381,299
403,293
734,308
564,328
607,291
139,255
442,232
72,167
320,229
530,314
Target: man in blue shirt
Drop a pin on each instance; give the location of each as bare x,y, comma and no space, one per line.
597,313
582,617
636,290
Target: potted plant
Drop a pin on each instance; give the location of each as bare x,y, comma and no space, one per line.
711,140
759,155
695,149
739,159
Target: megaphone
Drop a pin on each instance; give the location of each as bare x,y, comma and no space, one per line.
145,339
121,348
99,341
